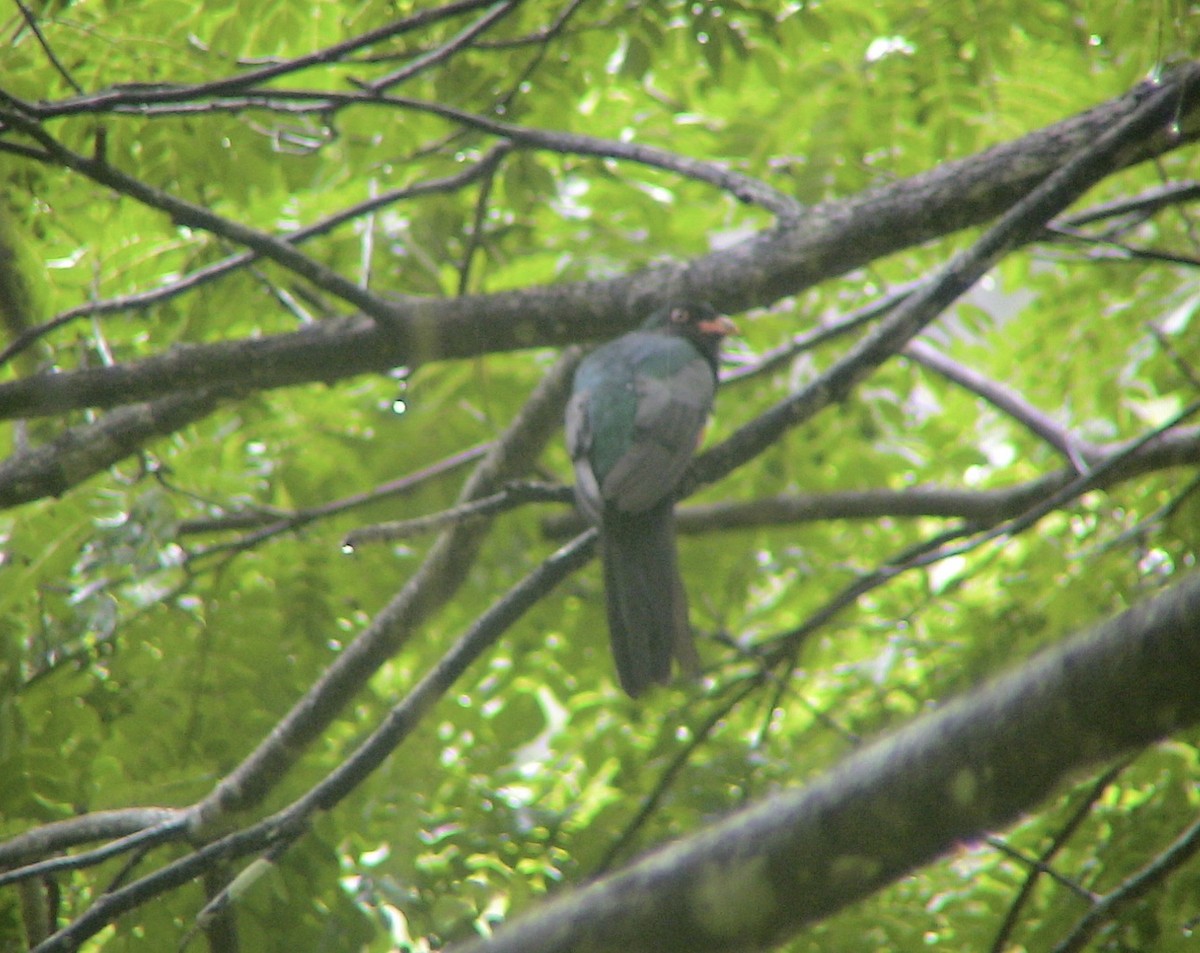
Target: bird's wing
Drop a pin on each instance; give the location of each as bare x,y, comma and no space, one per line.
667,424
634,421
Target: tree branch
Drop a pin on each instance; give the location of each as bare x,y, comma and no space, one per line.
1078,815
183,212
465,37
1003,398
1176,448
140,94
81,452
1109,906
1089,164
760,875
966,537
443,571
825,241
266,526
218,269
510,497
1136,207
151,832
99,825
284,826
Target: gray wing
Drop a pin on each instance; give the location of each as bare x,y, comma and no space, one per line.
670,417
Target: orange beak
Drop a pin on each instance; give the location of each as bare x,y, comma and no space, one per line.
719,326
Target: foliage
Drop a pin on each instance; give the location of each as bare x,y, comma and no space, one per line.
154,628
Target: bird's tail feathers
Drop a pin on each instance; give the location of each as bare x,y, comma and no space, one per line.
647,604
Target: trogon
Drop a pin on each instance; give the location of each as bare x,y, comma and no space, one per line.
634,420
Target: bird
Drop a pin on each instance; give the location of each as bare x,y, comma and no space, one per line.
635,417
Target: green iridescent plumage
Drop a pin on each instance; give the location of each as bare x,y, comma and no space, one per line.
636,414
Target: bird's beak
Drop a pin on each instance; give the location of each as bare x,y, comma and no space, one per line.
719,326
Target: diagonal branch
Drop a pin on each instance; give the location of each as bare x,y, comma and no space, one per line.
1108,907
1092,162
183,212
969,536
31,21
465,38
825,241
445,568
761,874
285,825
1061,836
1136,207
202,276
1003,398
81,452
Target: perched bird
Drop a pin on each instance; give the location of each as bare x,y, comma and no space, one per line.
634,420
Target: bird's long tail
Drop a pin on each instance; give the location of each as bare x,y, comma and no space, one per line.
647,605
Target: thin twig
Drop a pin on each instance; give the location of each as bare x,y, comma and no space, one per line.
1004,399
1110,906
745,188
284,523
1039,866
512,496
463,39
140,95
1082,810
651,802
31,22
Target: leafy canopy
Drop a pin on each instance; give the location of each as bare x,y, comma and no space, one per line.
161,164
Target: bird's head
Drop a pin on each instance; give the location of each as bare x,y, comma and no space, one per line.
698,321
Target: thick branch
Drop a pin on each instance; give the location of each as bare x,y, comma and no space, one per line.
827,240
81,452
99,825
763,873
